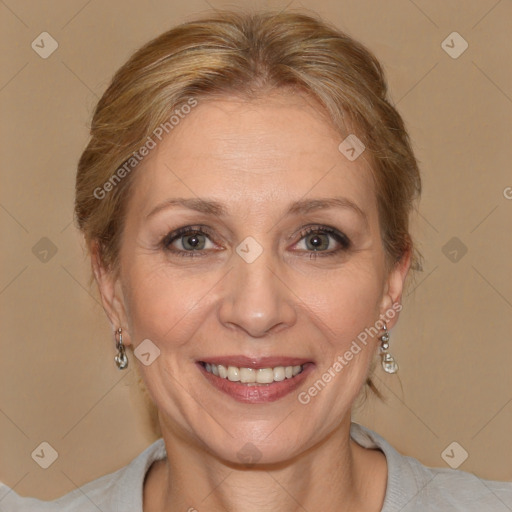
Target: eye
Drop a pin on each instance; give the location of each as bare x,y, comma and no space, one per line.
195,241
322,239
188,240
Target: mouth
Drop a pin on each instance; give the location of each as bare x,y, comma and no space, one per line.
255,380
252,376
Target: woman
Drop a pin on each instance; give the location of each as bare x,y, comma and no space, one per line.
245,198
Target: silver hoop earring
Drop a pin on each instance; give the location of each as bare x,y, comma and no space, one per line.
388,361
121,359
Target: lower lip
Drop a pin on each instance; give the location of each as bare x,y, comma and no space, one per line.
261,393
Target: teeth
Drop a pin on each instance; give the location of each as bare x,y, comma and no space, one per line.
279,374
223,371
233,373
264,376
251,376
247,375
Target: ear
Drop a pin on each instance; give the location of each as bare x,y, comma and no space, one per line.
110,291
393,289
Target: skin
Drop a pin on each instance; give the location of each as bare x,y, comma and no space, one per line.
256,158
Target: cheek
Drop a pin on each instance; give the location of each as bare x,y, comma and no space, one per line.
163,305
347,302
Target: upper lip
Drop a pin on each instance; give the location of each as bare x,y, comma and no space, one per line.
256,362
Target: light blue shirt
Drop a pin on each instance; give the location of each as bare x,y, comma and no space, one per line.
411,486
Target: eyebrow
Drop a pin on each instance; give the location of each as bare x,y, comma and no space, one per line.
302,206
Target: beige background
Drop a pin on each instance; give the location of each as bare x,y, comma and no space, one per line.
58,379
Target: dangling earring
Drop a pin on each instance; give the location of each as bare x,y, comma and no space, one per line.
121,359
388,361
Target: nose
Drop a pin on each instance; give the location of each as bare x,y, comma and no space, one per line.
256,298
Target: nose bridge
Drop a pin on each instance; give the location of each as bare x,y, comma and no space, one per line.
256,300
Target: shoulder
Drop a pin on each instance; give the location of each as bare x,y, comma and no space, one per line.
120,490
412,486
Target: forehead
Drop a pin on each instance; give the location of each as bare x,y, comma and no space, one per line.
256,153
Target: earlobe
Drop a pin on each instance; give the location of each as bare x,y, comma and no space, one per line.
110,291
392,297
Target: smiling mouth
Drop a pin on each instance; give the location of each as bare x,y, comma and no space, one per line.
252,376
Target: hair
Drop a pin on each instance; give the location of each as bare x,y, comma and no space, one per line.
248,55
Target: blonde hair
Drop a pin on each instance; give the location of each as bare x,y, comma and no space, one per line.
244,54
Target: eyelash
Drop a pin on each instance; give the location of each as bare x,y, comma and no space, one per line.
342,240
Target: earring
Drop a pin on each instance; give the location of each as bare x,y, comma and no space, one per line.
388,361
121,359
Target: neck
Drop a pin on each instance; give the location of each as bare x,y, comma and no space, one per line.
336,475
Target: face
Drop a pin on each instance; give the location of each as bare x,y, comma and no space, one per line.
251,241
